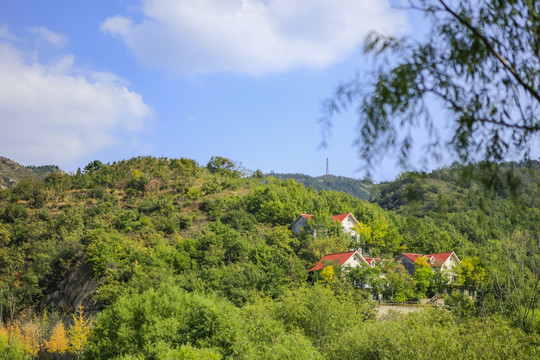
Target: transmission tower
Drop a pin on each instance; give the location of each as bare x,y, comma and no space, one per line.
327,168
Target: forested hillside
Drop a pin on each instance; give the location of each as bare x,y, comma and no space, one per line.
171,259
357,188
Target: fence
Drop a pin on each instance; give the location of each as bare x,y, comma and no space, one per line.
404,303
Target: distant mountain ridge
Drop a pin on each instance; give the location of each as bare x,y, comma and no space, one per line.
11,172
360,189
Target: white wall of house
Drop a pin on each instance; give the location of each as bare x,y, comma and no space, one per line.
448,267
348,224
354,261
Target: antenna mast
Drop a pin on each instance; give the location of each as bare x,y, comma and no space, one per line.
327,172
327,168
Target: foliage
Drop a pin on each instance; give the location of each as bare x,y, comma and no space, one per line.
434,335
479,61
471,275
11,346
322,315
358,188
58,341
400,285
181,323
30,334
369,278
517,278
215,247
12,173
327,274
422,276
79,333
224,166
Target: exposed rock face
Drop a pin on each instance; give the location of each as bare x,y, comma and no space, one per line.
75,290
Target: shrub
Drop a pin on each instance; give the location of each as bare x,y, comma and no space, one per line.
14,213
171,318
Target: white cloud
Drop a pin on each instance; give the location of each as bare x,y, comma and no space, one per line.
57,40
6,34
251,36
54,113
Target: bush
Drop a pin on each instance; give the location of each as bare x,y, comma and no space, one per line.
193,193
239,220
17,351
185,167
321,315
14,213
170,317
223,166
212,187
170,323
434,334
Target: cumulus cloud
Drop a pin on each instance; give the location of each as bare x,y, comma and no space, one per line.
251,36
57,40
5,33
55,113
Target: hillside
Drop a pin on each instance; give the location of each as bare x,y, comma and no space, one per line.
11,172
202,259
455,189
358,188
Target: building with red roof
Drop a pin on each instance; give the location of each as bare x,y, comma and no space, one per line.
372,261
347,260
347,221
444,262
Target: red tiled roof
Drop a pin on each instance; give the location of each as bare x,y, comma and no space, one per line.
341,258
340,217
307,216
411,257
440,258
369,260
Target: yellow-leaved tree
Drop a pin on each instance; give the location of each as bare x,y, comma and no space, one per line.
58,341
327,274
364,231
31,335
79,333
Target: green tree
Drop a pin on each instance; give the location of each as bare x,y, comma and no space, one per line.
480,61
223,166
322,315
170,323
471,275
422,276
368,277
400,285
516,278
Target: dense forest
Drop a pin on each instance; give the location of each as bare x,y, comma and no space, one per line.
156,258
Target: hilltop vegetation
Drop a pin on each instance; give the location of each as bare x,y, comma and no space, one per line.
11,172
180,260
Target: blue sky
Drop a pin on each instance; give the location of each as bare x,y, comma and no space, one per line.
112,79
